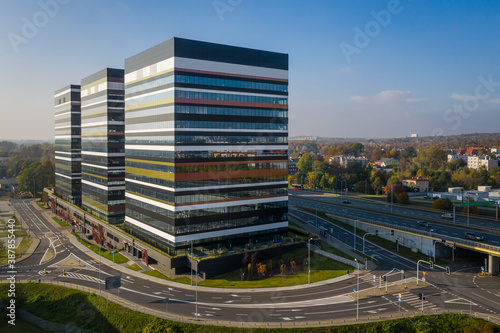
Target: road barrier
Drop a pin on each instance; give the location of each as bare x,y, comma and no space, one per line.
262,324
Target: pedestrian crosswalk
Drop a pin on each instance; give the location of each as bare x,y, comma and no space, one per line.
414,301
81,277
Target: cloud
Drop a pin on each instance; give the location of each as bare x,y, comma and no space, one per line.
462,97
388,97
493,101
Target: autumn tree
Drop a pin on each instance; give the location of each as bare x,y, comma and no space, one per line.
442,204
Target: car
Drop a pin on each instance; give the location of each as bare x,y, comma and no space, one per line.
447,216
435,197
346,202
424,224
472,235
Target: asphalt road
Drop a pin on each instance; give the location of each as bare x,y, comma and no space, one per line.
397,209
353,211
323,302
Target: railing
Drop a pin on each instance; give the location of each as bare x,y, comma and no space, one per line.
429,234
262,324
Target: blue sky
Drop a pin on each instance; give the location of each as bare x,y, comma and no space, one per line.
427,67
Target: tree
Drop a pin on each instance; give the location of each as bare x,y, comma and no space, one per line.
473,210
403,198
305,163
409,152
377,185
442,204
356,148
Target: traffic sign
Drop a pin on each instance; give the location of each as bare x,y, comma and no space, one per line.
354,290
399,299
399,295
113,282
475,204
482,268
374,278
423,273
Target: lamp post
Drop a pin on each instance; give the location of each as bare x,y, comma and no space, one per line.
99,269
197,263
309,261
392,197
190,265
357,293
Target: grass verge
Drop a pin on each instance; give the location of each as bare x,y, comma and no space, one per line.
134,267
119,258
61,223
25,245
92,312
404,251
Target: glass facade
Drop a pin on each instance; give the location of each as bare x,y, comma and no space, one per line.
68,144
103,140
206,145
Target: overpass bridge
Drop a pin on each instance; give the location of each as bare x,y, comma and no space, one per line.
425,241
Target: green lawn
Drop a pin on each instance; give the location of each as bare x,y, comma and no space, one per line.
92,312
41,205
119,258
61,223
25,244
21,325
322,268
134,267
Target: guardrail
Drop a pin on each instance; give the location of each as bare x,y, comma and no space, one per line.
262,324
386,206
429,234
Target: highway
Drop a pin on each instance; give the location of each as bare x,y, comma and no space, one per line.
397,209
324,301
356,210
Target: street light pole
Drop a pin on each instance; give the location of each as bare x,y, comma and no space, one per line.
355,235
99,269
309,261
190,264
197,263
392,197
357,293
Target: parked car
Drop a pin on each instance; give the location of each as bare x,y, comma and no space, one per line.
447,216
472,235
346,202
424,224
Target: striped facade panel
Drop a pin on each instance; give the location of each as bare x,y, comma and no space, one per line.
206,144
67,105
103,140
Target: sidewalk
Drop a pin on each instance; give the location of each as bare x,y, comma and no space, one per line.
127,271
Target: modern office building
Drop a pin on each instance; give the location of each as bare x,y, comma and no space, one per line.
206,145
68,173
103,153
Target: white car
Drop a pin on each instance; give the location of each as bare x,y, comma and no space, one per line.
447,216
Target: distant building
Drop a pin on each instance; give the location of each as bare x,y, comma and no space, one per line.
455,190
453,157
8,185
387,162
476,162
419,182
414,135
472,151
292,166
344,161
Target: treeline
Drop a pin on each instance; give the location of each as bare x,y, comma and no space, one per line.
32,165
375,149
315,171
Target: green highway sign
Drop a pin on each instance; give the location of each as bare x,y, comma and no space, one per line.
474,204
